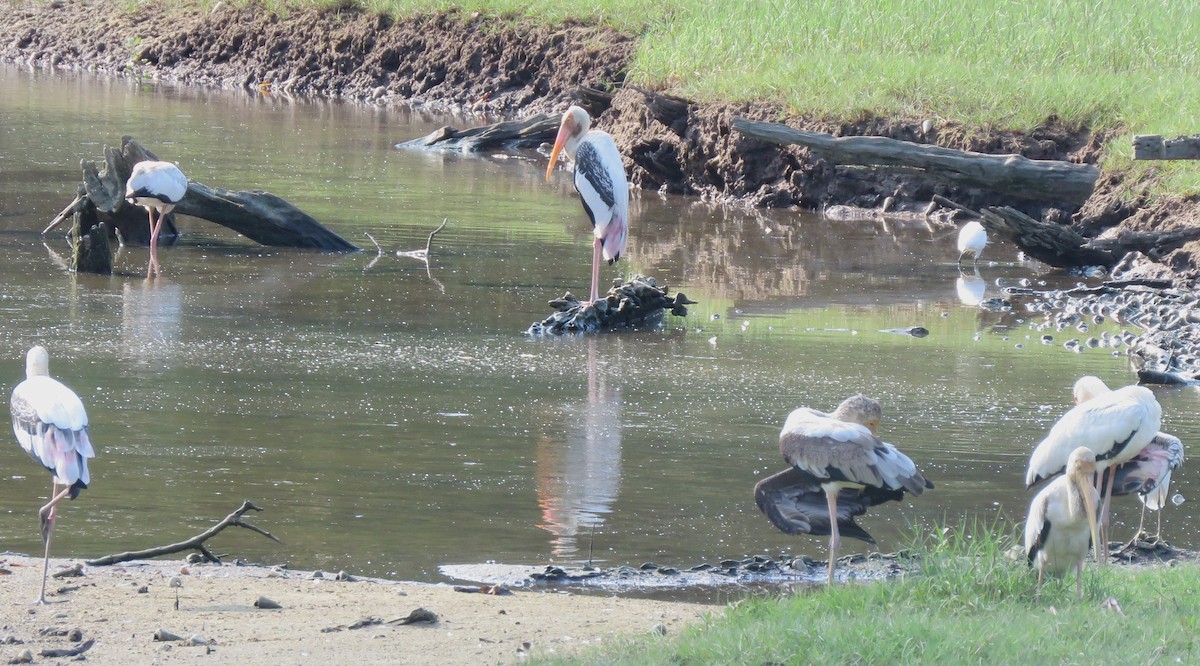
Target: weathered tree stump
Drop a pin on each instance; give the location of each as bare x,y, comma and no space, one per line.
636,304
1013,175
257,215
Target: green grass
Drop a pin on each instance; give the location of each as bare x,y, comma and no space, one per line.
971,603
1128,66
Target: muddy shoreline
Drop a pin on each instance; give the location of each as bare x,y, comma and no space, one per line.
490,69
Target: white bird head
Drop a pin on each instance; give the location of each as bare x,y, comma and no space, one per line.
575,123
37,362
1088,387
861,410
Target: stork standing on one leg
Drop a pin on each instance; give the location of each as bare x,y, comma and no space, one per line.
1062,520
52,426
1116,426
840,456
157,187
601,183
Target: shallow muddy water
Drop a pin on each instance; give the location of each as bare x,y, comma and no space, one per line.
391,417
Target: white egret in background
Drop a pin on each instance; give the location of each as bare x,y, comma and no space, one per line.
1062,520
971,238
52,426
602,186
840,456
1149,472
1115,426
157,187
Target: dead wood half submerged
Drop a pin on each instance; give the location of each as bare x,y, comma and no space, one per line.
1013,175
528,132
257,215
194,543
636,304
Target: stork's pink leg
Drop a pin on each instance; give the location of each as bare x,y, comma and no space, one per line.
596,247
1102,550
47,515
155,226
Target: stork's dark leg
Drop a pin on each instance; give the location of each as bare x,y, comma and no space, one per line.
834,538
1102,550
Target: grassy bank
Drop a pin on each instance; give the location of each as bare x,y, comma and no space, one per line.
1125,66
971,604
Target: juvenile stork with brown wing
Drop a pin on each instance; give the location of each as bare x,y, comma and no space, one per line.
840,456
1062,519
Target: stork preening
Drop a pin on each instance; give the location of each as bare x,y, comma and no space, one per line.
1115,426
971,238
51,425
1062,520
601,183
157,187
1149,472
839,459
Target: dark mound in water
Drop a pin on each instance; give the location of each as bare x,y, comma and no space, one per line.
636,304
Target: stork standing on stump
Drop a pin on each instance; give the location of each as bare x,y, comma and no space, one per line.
1062,520
1115,426
601,183
157,187
971,238
52,426
1149,472
840,456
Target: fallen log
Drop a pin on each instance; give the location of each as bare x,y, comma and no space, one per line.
1154,147
194,543
1013,175
257,215
528,132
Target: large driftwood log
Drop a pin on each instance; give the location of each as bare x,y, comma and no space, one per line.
194,543
1061,246
1154,147
528,132
1013,175
259,216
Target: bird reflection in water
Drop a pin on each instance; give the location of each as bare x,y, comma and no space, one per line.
970,288
151,319
579,475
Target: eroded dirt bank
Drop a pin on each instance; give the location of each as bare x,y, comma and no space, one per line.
500,68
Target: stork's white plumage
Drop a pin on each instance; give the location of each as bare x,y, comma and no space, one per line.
157,187
840,455
971,238
51,425
1148,474
1115,426
601,183
1062,520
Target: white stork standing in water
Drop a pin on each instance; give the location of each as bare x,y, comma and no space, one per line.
1149,472
1062,520
971,238
600,181
52,426
840,456
1116,426
157,187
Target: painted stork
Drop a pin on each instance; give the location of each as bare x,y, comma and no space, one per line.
1062,520
1116,426
971,238
1149,472
52,426
600,181
840,456
157,187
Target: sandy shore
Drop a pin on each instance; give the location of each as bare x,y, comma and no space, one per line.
121,607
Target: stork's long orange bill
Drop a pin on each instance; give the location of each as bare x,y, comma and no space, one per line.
563,132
